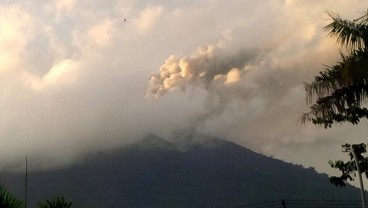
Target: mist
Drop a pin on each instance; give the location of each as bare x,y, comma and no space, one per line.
77,79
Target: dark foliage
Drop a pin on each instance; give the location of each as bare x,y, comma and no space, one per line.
58,202
349,169
7,200
339,92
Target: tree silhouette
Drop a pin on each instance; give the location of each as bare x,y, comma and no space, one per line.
58,202
7,200
349,169
338,92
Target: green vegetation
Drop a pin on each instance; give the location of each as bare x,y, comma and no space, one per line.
349,168
337,94
58,202
7,200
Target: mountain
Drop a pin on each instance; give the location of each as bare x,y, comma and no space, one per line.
153,172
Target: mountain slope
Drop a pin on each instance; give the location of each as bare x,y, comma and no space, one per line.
195,173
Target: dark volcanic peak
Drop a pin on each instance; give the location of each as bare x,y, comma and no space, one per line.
186,172
152,141
181,143
190,141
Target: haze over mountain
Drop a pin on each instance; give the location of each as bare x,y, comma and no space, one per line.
75,78
190,172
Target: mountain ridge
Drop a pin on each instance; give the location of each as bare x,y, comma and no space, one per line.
154,172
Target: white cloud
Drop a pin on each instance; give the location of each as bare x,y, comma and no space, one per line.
16,26
60,8
77,74
96,36
233,76
62,73
147,18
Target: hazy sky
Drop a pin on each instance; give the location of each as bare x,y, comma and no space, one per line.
75,78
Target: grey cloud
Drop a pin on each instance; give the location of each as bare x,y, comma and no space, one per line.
245,82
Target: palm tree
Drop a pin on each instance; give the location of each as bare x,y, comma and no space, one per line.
58,202
338,93
7,200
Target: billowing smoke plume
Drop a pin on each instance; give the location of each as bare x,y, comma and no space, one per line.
253,92
206,65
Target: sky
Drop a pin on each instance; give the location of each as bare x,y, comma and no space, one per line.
75,78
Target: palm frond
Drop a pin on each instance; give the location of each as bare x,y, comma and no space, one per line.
325,83
58,202
351,34
363,20
7,200
355,68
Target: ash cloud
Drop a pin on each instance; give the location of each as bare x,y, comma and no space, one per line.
206,65
73,75
251,83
